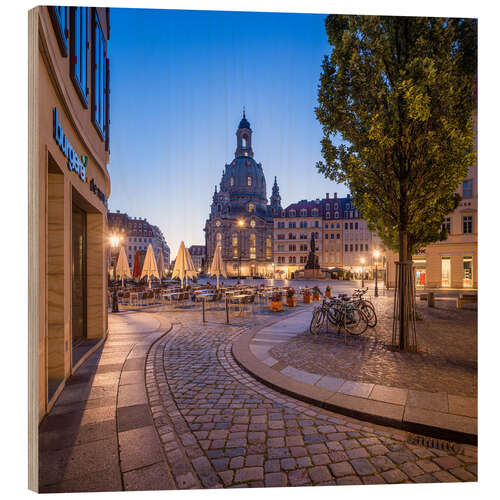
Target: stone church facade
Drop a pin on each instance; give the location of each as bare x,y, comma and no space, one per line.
240,217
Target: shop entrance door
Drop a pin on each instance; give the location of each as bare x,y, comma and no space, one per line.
79,276
445,272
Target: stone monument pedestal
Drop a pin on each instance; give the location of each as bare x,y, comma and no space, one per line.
314,274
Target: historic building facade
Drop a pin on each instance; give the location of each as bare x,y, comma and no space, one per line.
137,233
240,217
342,238
197,253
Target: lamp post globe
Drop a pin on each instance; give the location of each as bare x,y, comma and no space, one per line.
376,254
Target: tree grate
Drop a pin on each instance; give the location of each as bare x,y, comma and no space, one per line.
438,444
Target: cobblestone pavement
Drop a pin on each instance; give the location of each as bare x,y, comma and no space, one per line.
446,362
221,428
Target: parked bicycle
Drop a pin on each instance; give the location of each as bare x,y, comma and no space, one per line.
354,314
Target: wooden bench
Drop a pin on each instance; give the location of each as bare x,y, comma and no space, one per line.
465,298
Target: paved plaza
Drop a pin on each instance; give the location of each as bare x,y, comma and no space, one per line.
164,405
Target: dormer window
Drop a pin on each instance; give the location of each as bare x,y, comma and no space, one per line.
315,212
291,213
327,215
303,213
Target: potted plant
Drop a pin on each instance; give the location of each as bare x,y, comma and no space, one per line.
316,294
307,296
328,291
291,301
276,303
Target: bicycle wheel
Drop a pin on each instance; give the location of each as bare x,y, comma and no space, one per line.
368,311
355,322
316,320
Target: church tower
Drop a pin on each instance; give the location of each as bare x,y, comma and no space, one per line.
244,138
275,199
241,219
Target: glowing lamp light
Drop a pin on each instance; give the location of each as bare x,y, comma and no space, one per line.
114,240
376,254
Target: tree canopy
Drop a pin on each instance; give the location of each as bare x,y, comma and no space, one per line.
396,100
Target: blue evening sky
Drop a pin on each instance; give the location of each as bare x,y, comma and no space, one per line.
179,81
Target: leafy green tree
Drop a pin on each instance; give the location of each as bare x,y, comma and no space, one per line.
396,101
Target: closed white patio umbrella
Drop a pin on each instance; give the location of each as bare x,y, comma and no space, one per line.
184,267
122,267
161,263
217,267
149,267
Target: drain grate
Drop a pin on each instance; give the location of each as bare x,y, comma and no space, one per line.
438,444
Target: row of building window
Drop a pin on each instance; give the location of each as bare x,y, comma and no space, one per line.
71,25
146,240
466,224
355,247
292,259
332,236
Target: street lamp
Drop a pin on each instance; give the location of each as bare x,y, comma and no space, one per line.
114,241
376,254
241,223
362,272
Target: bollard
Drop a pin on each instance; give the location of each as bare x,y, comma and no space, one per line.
203,302
227,311
430,299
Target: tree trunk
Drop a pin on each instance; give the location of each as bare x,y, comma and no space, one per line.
402,285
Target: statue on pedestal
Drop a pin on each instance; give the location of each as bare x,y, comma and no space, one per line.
312,258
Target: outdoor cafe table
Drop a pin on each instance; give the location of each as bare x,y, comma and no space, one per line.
170,295
240,297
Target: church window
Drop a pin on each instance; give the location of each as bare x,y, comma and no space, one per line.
251,206
235,240
235,252
219,237
252,223
231,181
244,141
249,180
252,246
268,247
217,223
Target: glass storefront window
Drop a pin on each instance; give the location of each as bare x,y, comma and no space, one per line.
467,275
445,271
420,272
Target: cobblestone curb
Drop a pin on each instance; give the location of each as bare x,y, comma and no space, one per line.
254,358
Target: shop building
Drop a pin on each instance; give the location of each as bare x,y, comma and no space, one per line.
453,262
69,189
